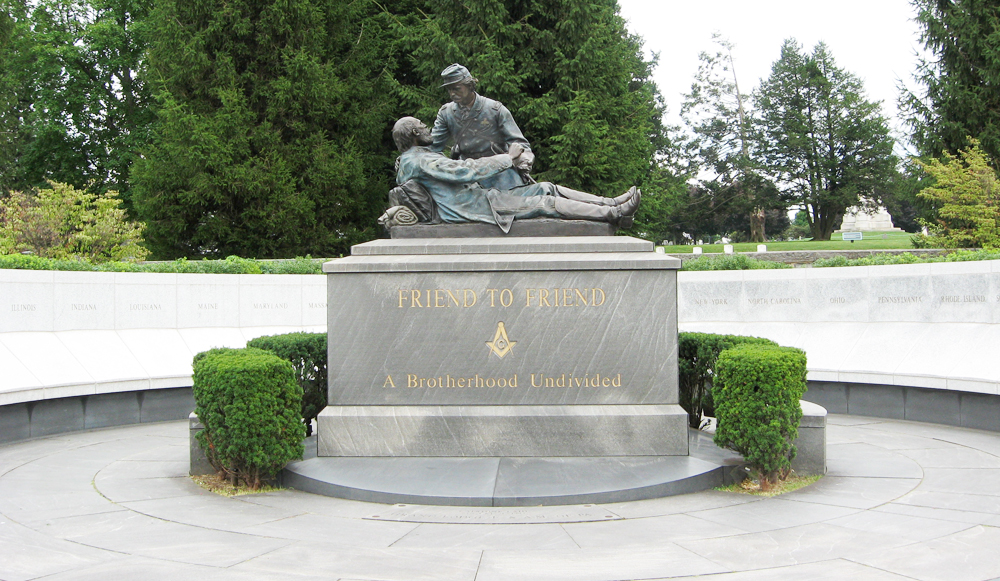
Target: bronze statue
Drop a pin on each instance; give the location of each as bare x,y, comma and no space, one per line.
433,188
479,127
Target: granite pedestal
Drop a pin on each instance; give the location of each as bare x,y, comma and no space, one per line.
503,347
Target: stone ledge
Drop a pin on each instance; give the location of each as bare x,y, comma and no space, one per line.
504,262
546,245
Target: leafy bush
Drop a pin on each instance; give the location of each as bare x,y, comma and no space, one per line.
63,222
757,392
696,357
966,193
249,403
968,255
307,354
730,262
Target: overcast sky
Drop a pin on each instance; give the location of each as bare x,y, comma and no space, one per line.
875,39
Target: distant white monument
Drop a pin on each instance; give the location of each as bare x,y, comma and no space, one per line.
857,220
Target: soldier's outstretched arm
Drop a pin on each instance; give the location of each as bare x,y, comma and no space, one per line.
440,133
465,171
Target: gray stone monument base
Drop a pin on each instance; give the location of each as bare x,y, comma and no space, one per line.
506,481
503,430
810,459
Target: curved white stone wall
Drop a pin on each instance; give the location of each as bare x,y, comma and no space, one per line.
924,325
66,334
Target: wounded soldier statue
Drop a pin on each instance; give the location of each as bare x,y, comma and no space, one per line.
433,189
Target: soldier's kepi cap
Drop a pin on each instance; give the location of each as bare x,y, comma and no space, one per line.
455,73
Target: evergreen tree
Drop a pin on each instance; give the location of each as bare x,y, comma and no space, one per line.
820,139
574,79
272,138
961,80
716,112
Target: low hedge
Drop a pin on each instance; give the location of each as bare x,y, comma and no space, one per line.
757,392
307,354
231,265
696,356
249,402
730,262
908,258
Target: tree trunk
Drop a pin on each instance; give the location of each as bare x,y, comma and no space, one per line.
757,225
823,227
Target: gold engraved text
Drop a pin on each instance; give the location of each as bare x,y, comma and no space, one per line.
564,297
563,380
446,381
436,298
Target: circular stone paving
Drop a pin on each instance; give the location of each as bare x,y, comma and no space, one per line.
902,500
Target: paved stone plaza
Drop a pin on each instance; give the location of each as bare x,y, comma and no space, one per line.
902,500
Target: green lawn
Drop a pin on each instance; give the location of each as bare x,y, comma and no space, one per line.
871,241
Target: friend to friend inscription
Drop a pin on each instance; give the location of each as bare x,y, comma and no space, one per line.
494,297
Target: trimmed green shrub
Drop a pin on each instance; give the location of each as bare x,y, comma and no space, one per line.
757,392
696,356
307,354
249,403
730,262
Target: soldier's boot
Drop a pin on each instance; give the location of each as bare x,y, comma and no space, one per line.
619,215
592,199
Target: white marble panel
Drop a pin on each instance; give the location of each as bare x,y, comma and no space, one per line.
122,385
822,375
770,299
982,360
103,354
145,300
973,386
901,296
944,350
198,340
270,300
208,300
47,358
962,298
703,297
926,381
837,294
881,348
314,299
15,374
873,377
161,352
26,300
828,345
169,382
994,295
84,300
